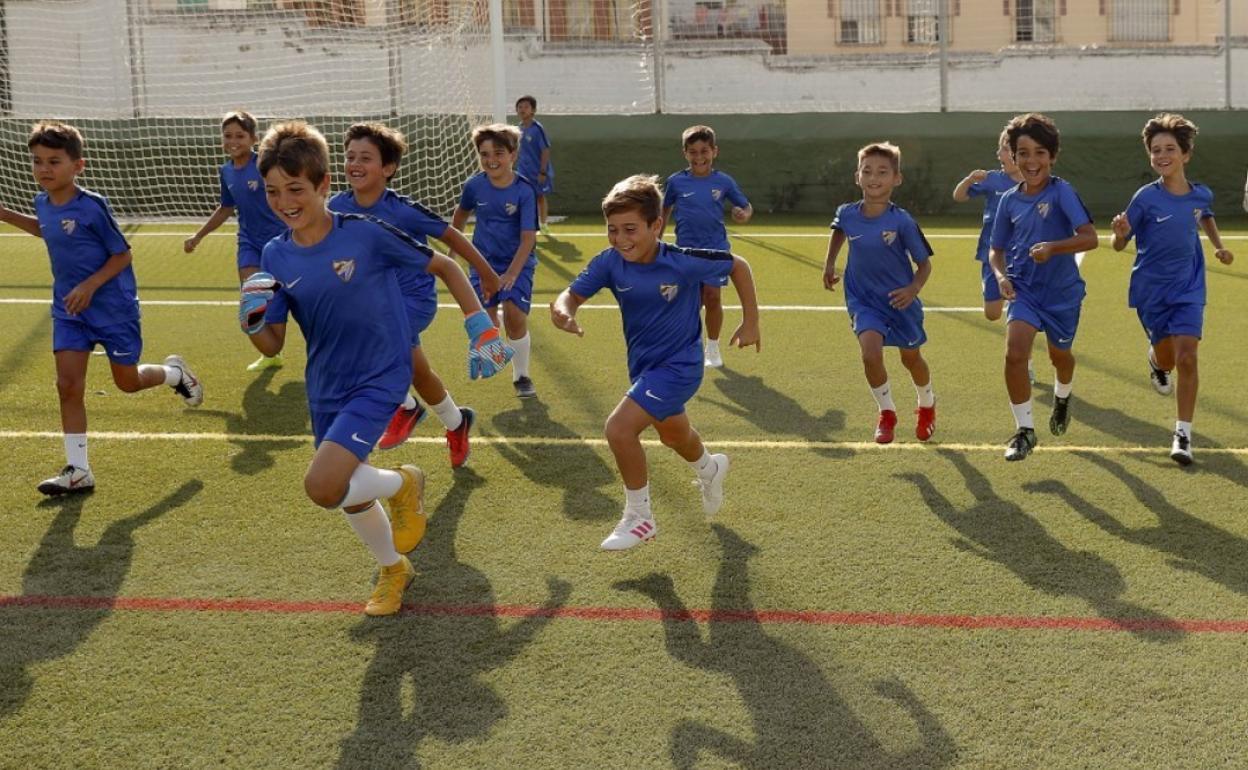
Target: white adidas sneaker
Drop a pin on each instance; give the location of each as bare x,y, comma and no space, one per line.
633,528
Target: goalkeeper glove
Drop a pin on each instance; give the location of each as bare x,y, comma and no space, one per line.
256,292
487,354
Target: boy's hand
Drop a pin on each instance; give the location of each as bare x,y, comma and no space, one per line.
1121,227
978,175
1007,288
747,334
1041,252
189,244
254,296
1224,256
740,215
489,284
830,277
904,297
507,280
487,354
564,321
79,299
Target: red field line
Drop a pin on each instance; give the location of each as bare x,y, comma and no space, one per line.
618,614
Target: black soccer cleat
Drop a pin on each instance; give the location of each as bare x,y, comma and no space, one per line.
1020,444
1060,419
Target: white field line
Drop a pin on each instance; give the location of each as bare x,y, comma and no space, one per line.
445,305
821,234
599,442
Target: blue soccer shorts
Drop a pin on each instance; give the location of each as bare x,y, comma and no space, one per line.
664,390
358,424
1059,326
248,255
420,313
900,328
520,294
122,342
1161,321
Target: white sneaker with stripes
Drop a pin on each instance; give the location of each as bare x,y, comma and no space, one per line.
633,528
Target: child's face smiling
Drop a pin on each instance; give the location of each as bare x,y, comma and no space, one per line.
701,156
1034,161
236,142
877,178
1165,155
630,234
296,201
496,160
365,171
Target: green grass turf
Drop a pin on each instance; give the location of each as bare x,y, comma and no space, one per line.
830,526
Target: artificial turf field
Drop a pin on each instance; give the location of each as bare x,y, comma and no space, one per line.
907,606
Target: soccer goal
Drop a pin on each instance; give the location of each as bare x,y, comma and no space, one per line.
147,82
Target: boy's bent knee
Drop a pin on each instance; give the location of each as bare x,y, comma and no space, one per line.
323,493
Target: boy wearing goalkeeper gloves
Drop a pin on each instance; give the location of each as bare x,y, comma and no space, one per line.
373,152
94,297
658,287
505,204
882,286
336,274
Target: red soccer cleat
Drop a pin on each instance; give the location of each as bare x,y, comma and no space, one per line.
401,426
457,440
926,426
884,430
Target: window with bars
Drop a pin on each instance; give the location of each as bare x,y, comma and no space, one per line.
1139,20
923,21
1035,21
861,22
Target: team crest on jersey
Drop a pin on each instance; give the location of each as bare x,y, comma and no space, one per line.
253,184
345,268
1043,208
889,236
510,208
668,290
1196,213
69,225
716,193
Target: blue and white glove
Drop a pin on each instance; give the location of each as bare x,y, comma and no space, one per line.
256,292
487,353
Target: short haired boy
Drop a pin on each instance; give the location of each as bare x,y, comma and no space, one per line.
989,185
94,296
882,286
336,274
505,205
657,287
373,152
1168,278
696,197
534,162
242,191
1040,226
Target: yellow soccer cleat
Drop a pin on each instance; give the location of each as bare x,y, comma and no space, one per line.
387,596
407,509
266,362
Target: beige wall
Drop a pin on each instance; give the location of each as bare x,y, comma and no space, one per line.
981,25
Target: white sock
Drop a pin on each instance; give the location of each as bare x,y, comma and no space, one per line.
372,526
172,374
1062,389
409,402
884,397
76,450
1179,427
704,466
638,500
448,412
369,483
1022,415
927,398
520,361
712,346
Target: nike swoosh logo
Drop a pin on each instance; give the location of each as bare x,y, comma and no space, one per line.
1014,220
356,437
854,237
912,343
686,195
1163,219
1063,342
623,288
649,394
291,285
119,353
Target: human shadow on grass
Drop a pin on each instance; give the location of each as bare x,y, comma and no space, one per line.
575,468
1133,430
1195,544
1000,530
799,717
31,633
775,413
566,251
264,413
442,655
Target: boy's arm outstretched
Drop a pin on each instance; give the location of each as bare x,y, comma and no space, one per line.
747,332
563,312
487,354
830,277
459,244
217,219
453,278
1221,252
23,222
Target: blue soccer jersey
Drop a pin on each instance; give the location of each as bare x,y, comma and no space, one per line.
420,290
1169,264
1053,214
80,236
996,184
533,141
243,189
344,296
659,301
503,214
697,204
881,252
